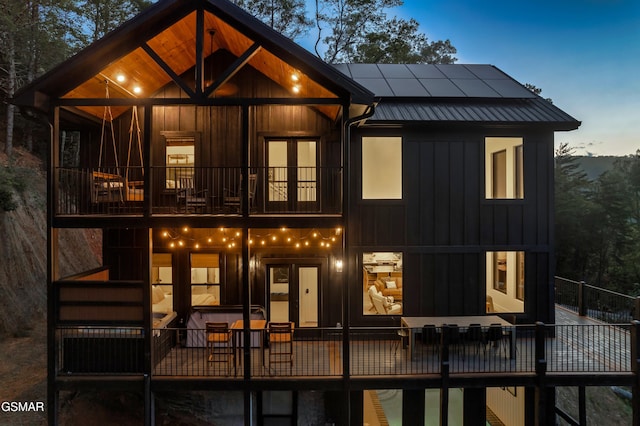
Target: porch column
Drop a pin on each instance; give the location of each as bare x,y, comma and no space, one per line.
53,272
413,407
146,160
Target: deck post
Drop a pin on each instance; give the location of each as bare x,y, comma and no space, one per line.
541,370
636,311
635,367
444,371
582,311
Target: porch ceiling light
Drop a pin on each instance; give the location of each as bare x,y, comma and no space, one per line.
338,265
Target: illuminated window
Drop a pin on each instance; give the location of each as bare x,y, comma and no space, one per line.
504,163
180,158
382,168
205,279
505,281
382,283
162,282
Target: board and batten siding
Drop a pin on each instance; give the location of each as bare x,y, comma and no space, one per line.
444,225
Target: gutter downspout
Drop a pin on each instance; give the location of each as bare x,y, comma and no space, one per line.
348,264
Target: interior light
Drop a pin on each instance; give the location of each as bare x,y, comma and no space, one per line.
137,90
165,234
295,77
339,265
296,89
120,78
273,238
197,245
209,240
306,243
171,244
185,229
283,229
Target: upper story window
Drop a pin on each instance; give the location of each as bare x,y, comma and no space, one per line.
381,168
180,158
504,168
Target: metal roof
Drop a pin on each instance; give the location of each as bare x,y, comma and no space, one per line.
515,111
453,93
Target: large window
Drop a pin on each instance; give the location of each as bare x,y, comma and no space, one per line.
505,283
205,279
382,168
162,282
504,163
382,283
180,158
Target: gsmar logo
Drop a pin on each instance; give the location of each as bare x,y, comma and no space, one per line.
13,406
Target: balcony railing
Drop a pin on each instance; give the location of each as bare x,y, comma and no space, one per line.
595,302
198,190
539,349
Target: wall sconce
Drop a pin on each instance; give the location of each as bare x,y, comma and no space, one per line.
339,265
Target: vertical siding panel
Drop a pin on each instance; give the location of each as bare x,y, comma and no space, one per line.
455,284
474,285
441,284
473,193
441,194
456,193
427,193
412,187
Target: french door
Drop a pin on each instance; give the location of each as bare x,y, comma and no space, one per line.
293,293
292,181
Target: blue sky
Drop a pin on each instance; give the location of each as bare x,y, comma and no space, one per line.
583,54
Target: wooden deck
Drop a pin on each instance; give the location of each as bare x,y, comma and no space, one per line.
574,345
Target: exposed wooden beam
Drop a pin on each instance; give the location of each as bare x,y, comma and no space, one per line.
166,68
233,68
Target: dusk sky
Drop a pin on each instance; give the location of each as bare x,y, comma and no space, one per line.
583,54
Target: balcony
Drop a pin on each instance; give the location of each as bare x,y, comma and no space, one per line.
198,191
560,351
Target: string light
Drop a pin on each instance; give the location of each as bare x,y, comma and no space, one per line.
199,238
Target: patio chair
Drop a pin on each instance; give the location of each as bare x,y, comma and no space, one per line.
189,197
220,343
495,337
280,337
431,338
453,338
233,197
476,338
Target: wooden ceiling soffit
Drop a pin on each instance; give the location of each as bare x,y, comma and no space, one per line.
172,52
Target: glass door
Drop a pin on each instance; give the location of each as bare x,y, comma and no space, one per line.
293,294
292,181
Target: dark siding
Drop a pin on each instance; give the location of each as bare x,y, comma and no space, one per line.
444,225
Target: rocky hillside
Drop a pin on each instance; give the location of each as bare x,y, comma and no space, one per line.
23,250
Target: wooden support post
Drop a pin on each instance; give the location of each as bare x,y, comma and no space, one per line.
582,310
444,371
636,311
541,370
635,367
413,407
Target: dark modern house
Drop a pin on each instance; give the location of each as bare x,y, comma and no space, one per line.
271,223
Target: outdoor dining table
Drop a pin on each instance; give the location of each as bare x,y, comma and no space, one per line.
255,326
415,324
